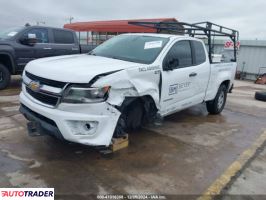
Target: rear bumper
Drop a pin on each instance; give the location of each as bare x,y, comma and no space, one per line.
69,121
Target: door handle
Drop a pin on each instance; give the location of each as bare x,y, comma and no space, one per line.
193,74
47,48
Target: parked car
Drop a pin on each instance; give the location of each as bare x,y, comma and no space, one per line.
20,45
122,83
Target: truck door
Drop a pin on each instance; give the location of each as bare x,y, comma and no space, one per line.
26,53
64,42
181,87
202,69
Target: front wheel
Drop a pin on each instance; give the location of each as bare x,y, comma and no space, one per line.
4,77
131,118
216,106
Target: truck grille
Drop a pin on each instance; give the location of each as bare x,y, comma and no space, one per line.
44,95
44,98
44,81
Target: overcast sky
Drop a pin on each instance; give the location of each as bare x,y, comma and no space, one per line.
249,17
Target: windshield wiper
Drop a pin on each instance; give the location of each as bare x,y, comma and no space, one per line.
114,57
92,53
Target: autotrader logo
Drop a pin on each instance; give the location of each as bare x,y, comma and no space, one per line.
27,193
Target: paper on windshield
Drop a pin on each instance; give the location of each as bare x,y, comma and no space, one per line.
153,44
12,33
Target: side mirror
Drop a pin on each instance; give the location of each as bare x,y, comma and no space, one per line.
171,64
30,39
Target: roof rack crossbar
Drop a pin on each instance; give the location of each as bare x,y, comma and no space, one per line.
212,26
207,29
208,26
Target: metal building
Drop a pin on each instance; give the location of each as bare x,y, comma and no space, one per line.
251,57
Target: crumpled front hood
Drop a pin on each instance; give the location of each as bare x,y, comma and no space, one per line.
75,68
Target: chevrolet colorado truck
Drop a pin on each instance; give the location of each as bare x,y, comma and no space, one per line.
20,45
121,84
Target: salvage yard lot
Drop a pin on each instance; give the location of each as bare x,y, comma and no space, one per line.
184,156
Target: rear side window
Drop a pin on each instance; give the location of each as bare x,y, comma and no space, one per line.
63,37
182,52
200,55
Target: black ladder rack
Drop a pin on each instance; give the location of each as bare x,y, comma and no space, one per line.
207,29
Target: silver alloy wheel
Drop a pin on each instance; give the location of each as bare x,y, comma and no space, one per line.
221,100
1,76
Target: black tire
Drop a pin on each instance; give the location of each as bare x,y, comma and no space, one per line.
216,106
261,96
5,77
231,89
133,115
130,119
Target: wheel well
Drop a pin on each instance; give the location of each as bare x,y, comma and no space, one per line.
149,105
147,101
5,60
226,83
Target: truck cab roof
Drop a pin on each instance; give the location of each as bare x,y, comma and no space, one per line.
47,27
162,35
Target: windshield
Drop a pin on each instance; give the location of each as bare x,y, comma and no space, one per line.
134,48
5,34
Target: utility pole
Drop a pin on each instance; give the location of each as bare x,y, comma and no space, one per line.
70,19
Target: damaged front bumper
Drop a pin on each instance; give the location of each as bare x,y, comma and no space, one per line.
88,124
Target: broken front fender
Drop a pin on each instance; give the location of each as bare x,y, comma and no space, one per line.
134,82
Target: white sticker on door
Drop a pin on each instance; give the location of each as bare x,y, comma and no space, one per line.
153,44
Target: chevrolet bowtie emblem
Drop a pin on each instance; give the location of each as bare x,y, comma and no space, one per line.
35,86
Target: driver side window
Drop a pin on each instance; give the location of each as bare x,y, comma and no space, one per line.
180,55
40,33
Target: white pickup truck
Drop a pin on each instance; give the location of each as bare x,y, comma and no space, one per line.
124,82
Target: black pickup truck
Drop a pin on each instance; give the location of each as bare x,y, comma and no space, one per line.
20,45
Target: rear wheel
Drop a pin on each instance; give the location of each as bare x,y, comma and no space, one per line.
216,106
5,77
